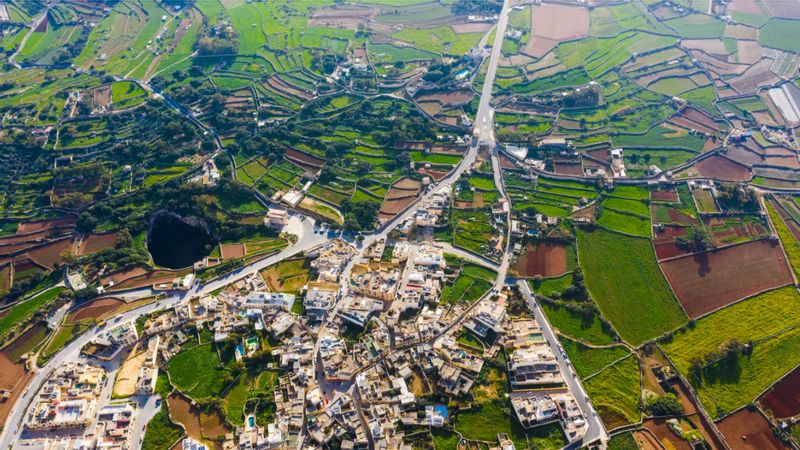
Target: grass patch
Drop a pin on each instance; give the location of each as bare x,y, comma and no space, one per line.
616,393
197,371
587,360
24,310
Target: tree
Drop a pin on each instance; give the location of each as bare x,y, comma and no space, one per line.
664,405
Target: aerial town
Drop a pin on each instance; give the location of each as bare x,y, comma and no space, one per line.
399,224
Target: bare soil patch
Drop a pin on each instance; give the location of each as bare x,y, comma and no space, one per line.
749,51
232,251
93,243
94,309
471,27
548,259
457,97
783,399
50,255
708,281
125,384
749,430
722,168
102,95
560,22
782,8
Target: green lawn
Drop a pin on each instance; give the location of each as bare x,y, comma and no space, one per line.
616,392
623,277
587,360
197,372
490,419
576,325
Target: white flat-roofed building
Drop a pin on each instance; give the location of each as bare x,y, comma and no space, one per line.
266,300
533,366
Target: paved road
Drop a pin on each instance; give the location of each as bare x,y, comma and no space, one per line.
596,430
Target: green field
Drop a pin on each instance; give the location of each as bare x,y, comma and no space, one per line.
624,279
789,242
616,392
587,361
25,309
576,325
774,310
197,372
781,34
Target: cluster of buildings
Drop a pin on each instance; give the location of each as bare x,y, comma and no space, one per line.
67,399
539,395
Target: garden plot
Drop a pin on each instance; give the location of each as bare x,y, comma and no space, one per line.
733,229
705,282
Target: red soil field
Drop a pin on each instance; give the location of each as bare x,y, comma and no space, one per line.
568,167
94,309
548,259
708,281
664,242
664,196
435,174
232,251
122,275
47,224
749,430
458,97
402,193
49,255
722,168
667,249
93,243
13,377
784,397
304,158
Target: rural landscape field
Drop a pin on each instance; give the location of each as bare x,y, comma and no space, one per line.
400,224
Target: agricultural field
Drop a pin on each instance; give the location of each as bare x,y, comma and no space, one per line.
728,383
624,279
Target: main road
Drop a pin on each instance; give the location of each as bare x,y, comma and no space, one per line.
596,430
